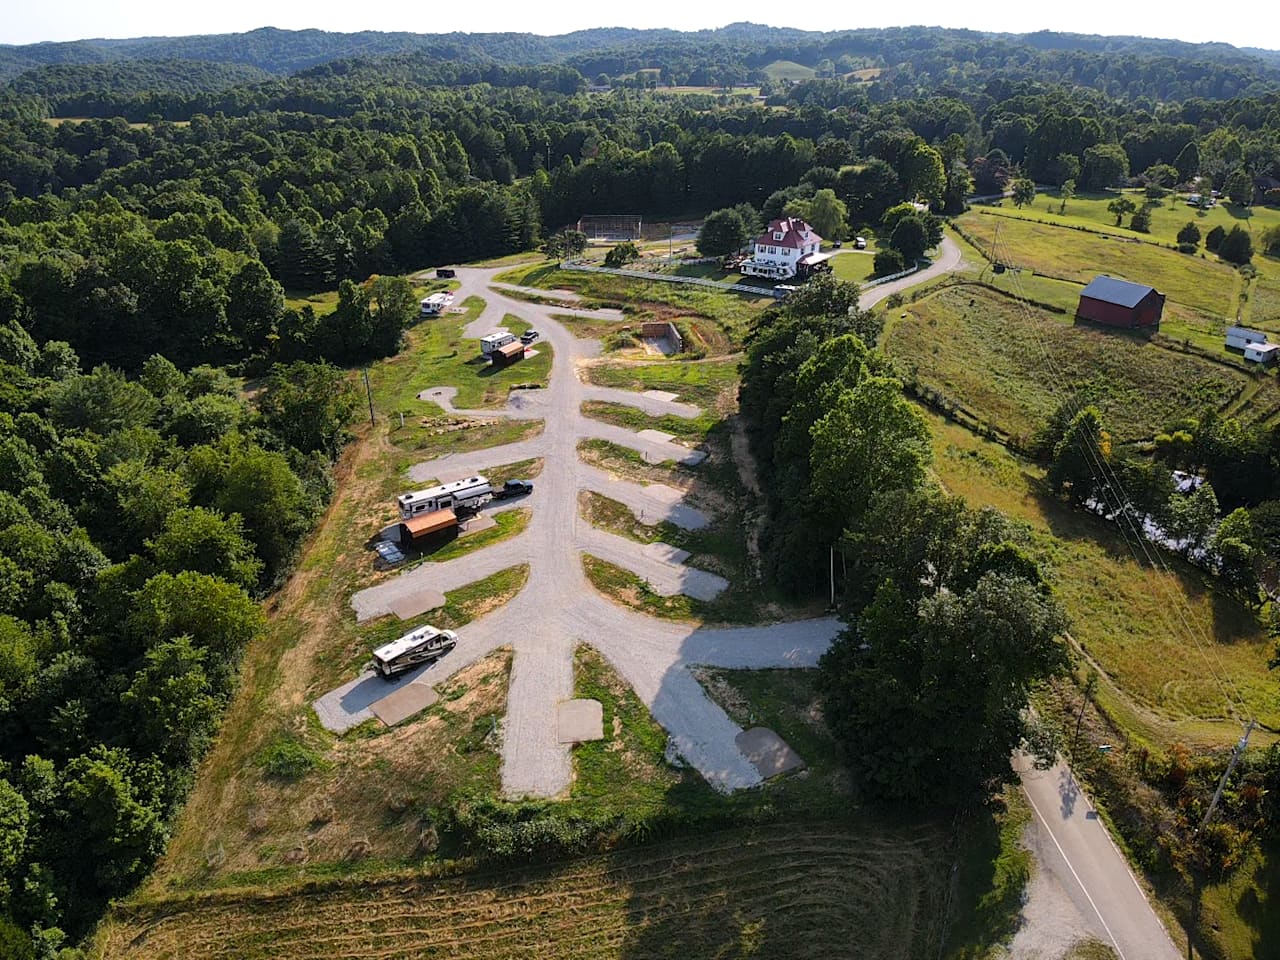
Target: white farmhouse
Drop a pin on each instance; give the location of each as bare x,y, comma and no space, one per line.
786,248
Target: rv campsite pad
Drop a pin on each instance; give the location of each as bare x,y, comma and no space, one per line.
768,752
665,552
481,521
578,721
404,701
656,436
663,395
406,608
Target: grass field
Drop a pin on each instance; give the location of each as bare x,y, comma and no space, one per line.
1205,285
1123,613
656,300
858,267
708,384
1012,365
1090,210
788,70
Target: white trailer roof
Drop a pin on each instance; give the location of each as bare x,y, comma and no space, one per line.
402,645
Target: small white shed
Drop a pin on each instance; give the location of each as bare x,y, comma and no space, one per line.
1266,353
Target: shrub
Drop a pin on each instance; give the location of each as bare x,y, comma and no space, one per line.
1189,234
1187,248
1214,238
889,262
288,759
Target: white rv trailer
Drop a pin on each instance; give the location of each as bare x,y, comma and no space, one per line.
414,648
495,340
434,305
466,494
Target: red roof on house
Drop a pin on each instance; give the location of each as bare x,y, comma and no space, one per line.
795,233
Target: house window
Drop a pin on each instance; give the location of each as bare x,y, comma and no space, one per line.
777,236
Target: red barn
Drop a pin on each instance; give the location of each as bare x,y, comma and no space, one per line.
1119,303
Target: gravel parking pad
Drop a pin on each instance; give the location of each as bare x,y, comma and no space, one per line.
768,752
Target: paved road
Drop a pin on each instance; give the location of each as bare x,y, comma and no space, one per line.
948,259
1077,848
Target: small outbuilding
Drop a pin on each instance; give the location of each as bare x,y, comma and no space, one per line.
1119,303
1240,338
1264,353
507,354
418,530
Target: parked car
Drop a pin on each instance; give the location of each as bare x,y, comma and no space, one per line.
513,488
837,245
529,336
388,553
445,273
860,243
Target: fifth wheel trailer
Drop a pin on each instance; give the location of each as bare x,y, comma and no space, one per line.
468,494
414,648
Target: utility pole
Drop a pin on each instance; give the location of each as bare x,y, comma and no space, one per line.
1084,702
1236,753
369,393
832,566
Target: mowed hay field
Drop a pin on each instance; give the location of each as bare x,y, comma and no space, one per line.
802,891
1127,618
1012,365
1056,251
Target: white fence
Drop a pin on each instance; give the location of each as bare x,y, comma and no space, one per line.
704,282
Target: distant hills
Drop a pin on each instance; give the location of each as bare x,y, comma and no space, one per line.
285,52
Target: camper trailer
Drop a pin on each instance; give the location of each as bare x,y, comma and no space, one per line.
434,305
468,494
495,341
414,648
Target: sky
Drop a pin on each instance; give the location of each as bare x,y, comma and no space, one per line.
1254,23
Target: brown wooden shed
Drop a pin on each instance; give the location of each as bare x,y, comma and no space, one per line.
417,529
1119,303
507,354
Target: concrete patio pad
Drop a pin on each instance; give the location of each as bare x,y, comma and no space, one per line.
665,552
578,721
404,702
406,608
656,436
767,752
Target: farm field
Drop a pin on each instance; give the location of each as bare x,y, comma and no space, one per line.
1157,686
1011,366
783,891
1090,210
1206,285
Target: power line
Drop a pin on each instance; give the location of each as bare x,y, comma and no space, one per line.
1109,485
